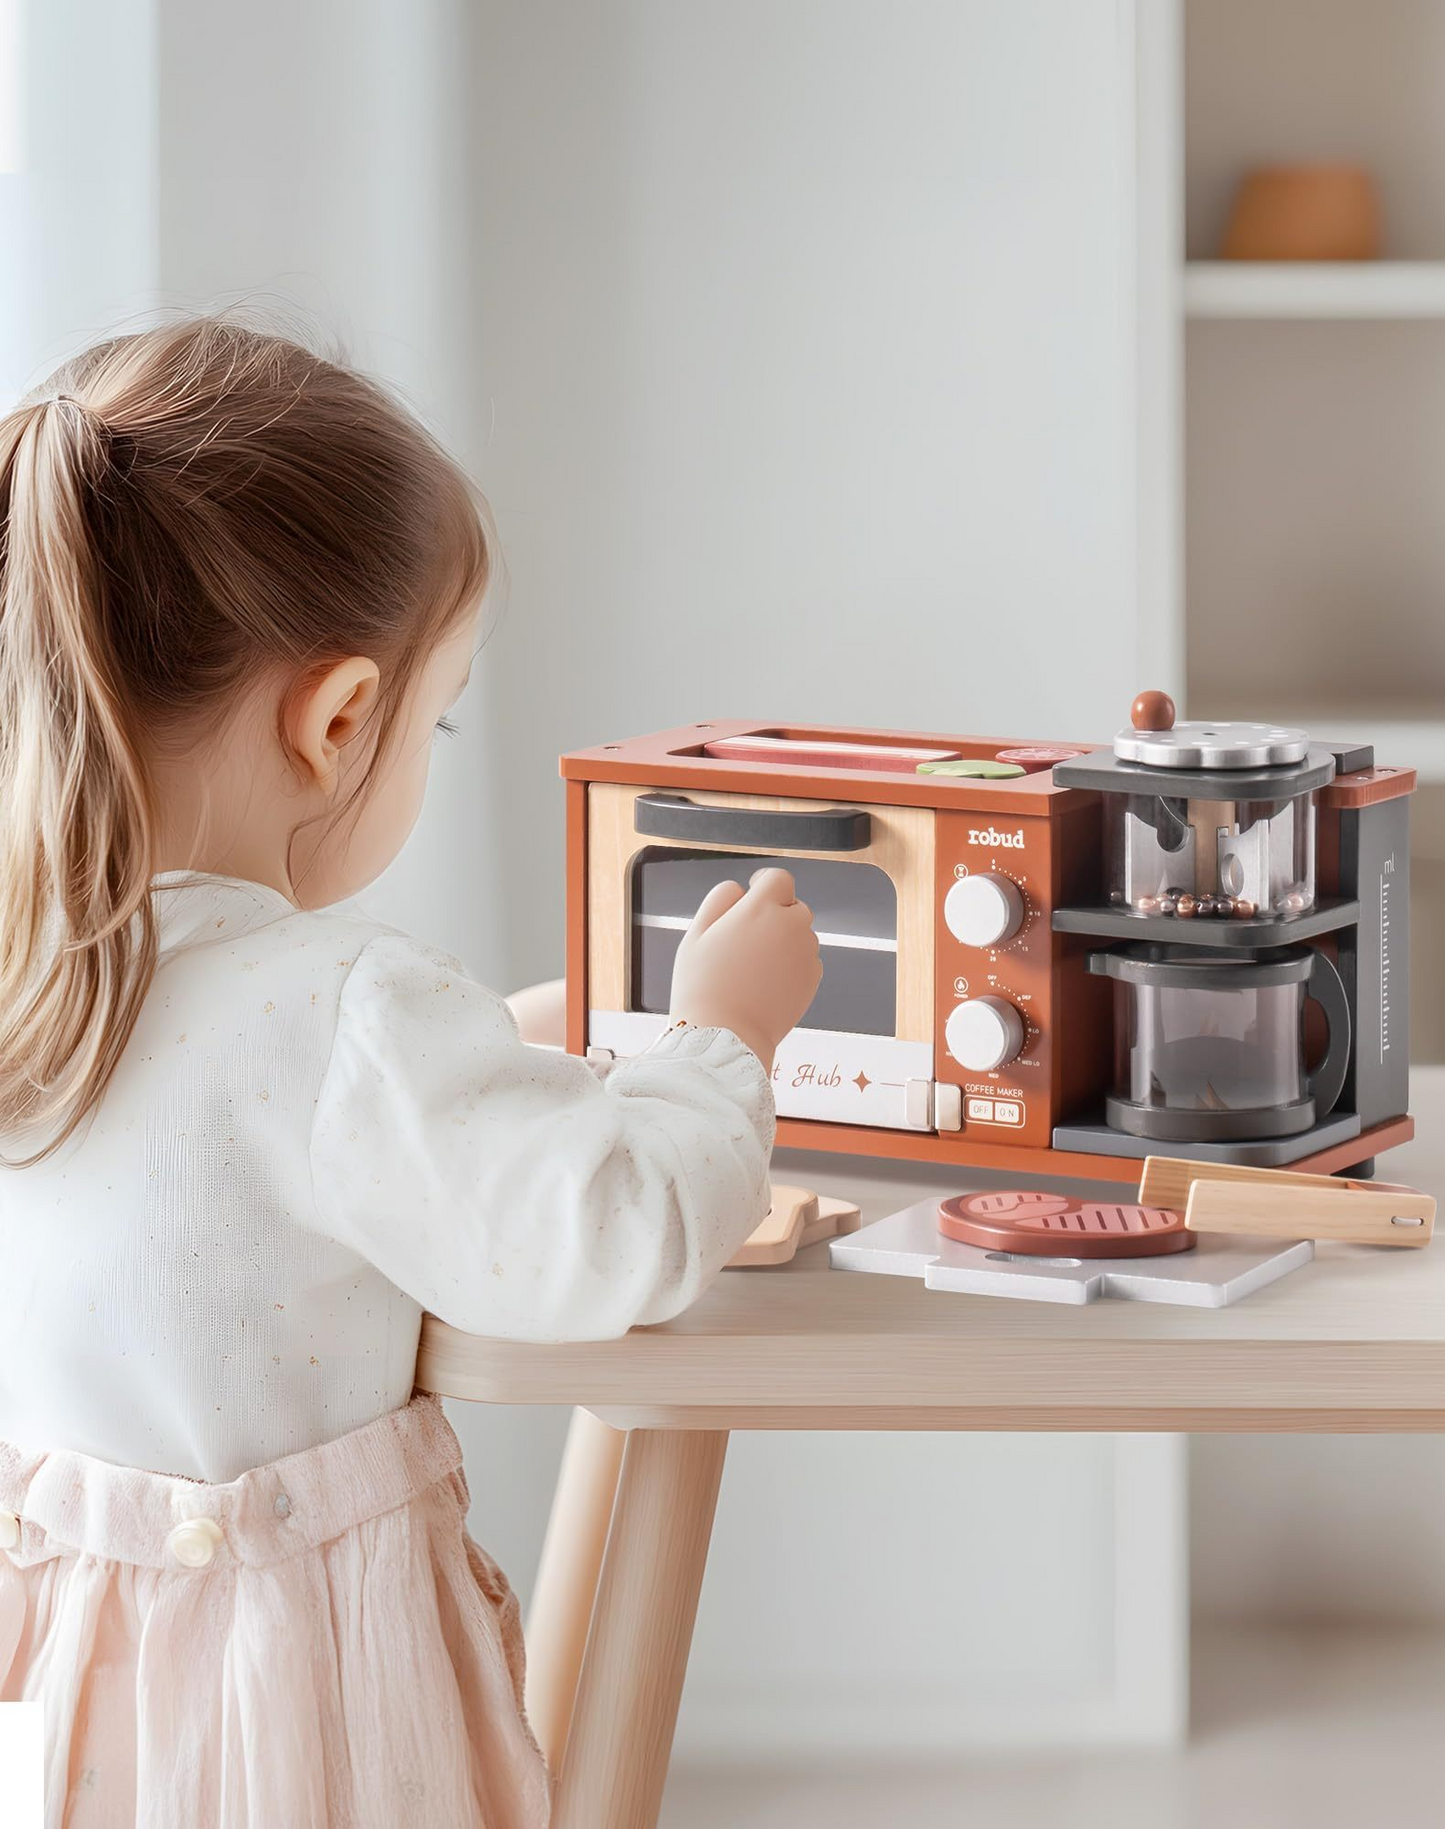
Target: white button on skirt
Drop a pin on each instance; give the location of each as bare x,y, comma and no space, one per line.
194,1543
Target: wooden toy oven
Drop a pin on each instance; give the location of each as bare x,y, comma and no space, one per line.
958,910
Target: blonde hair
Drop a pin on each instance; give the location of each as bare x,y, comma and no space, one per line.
181,508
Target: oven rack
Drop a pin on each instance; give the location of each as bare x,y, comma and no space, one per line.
869,943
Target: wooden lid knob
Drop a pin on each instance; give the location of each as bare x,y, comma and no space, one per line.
1152,711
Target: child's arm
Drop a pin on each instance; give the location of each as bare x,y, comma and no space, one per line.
511,1190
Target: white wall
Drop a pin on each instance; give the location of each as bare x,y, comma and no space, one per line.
794,346
77,209
805,328
808,332
1303,1529
324,164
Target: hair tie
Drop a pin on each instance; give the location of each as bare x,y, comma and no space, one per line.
92,440
86,411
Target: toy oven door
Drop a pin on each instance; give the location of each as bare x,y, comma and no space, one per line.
863,1053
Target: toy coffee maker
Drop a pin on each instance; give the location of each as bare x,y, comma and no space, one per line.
1259,884
1227,903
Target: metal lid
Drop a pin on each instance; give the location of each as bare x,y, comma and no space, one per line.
1206,745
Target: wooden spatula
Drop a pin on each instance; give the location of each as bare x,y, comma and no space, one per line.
1280,1203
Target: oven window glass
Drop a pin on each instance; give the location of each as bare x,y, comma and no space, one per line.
855,913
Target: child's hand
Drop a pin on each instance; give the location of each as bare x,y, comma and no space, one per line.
541,1013
749,962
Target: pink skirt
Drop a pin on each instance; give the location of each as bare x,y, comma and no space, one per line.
316,1645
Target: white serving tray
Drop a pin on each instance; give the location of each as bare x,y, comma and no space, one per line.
1219,1270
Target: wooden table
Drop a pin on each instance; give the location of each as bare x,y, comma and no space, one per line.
1353,1342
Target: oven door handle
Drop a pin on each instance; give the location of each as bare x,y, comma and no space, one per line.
759,828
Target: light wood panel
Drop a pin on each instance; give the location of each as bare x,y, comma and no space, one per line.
871,1379
902,847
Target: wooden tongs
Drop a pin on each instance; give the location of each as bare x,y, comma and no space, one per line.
1277,1203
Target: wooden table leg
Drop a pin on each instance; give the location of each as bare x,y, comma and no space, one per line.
632,1674
567,1577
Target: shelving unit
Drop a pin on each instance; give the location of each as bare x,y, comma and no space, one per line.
1309,399
1306,289
1313,488
1306,407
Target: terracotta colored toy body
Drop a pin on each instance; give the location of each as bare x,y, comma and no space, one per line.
962,893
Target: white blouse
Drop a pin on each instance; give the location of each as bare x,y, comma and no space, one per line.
319,1129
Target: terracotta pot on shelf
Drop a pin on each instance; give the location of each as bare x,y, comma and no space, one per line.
1304,212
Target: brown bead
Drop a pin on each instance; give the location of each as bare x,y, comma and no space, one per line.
1244,909
1152,711
1186,907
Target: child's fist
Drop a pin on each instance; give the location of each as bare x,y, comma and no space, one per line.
749,962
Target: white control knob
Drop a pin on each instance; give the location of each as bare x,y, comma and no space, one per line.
983,910
984,1033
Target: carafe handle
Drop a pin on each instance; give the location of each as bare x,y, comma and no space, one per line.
1328,1079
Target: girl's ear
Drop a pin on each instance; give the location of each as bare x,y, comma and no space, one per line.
325,713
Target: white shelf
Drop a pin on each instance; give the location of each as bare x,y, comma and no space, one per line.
1309,289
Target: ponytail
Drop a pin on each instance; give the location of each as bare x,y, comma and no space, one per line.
77,935
183,511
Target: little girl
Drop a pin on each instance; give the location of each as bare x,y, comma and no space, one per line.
248,1139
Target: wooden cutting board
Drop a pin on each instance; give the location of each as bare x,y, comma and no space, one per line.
797,1217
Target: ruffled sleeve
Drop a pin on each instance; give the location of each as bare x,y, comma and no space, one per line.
513,1191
